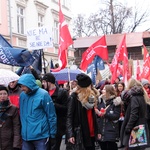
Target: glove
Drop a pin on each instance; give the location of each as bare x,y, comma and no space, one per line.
127,130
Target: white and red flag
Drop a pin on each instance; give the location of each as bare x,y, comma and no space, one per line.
146,65
65,41
99,48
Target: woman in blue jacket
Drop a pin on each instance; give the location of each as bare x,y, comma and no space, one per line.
37,113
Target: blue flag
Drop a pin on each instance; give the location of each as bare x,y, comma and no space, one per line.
97,64
14,56
37,64
4,42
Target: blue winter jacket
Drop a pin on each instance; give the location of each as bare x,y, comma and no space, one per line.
37,111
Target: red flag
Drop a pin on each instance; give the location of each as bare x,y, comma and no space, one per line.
126,72
98,48
146,65
65,41
116,59
138,72
120,70
120,55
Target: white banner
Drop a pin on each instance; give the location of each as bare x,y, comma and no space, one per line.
39,38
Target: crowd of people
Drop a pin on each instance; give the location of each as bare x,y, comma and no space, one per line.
36,112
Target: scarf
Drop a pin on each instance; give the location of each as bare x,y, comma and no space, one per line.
4,105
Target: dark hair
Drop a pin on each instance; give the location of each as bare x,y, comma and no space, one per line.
123,84
49,77
2,87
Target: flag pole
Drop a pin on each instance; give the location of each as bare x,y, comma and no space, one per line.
42,52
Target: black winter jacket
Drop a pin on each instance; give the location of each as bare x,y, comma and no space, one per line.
60,99
108,124
135,113
74,120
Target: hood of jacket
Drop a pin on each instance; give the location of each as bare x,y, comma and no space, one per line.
29,81
126,95
136,90
114,100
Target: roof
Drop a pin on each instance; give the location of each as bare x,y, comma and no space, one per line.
133,39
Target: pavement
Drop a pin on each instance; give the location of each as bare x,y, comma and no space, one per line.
63,146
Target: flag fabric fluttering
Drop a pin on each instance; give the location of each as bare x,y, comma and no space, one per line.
14,56
138,72
126,74
94,67
3,42
98,48
97,63
119,70
120,55
146,65
37,64
65,41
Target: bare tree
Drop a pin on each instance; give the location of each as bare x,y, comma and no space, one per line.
114,18
79,24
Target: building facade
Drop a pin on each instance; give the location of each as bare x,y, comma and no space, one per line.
17,16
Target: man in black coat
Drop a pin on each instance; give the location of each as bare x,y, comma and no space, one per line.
60,99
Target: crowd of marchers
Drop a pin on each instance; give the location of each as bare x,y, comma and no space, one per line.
37,112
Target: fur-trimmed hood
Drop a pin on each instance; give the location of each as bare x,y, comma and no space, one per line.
117,101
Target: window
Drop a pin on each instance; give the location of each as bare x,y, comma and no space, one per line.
55,32
40,20
20,19
66,3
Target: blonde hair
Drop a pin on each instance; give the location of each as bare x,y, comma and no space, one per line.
85,93
133,82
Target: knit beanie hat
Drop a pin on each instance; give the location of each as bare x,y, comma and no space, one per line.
3,88
144,81
83,80
49,77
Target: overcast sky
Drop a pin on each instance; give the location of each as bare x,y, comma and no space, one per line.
91,6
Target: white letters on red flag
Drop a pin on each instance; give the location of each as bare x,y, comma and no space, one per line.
138,71
65,41
98,48
146,65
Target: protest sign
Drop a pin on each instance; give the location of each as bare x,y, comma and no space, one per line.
39,38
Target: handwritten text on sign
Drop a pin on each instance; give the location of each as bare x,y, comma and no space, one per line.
39,38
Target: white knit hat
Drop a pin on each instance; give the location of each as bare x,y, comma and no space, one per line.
144,81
